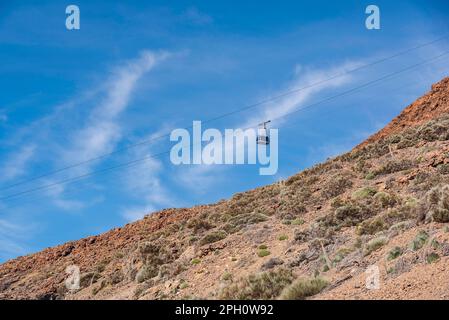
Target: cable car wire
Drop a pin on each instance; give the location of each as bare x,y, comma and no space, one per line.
30,200
137,161
248,107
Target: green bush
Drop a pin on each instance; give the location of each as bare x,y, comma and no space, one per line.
371,226
183,285
199,225
337,185
195,261
419,241
148,271
236,223
303,288
394,253
385,200
297,222
375,244
433,130
283,237
370,176
348,215
432,257
267,285
364,193
437,202
263,253
435,244
226,276
213,236
440,215
153,256
393,166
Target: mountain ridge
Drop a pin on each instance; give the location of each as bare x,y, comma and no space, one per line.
321,223
431,105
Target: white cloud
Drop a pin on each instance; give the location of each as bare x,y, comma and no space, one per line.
102,131
196,17
305,77
11,238
143,182
200,178
315,81
15,166
137,213
84,127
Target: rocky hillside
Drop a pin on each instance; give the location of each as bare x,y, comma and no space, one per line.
383,206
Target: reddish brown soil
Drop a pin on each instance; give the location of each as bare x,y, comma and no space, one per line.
430,106
41,275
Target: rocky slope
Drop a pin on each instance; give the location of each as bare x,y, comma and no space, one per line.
320,234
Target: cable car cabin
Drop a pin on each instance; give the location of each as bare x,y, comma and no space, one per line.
263,139
262,134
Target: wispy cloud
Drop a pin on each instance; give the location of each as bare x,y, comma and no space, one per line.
102,131
82,128
143,182
200,178
16,165
304,77
11,238
197,17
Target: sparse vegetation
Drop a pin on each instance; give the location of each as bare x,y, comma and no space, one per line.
337,185
370,176
432,257
263,253
443,168
375,244
364,193
238,222
153,255
297,222
361,208
341,254
226,276
266,285
303,288
438,203
393,166
213,236
371,226
199,225
394,253
146,272
419,241
385,200
349,214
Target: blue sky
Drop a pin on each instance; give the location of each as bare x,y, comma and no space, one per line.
137,70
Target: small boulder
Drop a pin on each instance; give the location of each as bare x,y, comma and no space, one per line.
270,264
